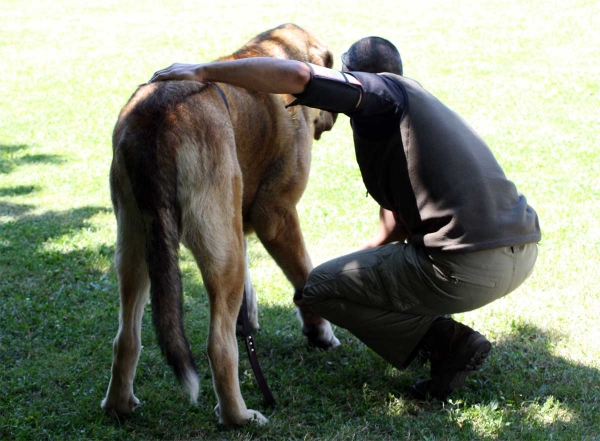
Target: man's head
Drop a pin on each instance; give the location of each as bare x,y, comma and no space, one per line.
373,54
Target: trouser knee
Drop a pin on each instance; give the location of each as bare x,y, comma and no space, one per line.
320,284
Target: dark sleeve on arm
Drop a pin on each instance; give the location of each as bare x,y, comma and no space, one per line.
329,90
381,96
340,92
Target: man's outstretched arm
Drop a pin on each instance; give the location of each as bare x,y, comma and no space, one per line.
262,74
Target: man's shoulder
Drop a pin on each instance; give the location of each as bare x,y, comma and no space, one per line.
400,79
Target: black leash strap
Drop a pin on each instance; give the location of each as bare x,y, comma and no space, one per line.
247,334
222,95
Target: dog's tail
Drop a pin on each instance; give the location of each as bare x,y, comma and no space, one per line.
150,157
161,226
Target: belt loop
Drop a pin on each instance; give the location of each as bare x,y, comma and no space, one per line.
512,249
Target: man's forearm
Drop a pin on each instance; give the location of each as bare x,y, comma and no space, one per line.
261,74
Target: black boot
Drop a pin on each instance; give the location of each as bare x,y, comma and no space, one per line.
454,350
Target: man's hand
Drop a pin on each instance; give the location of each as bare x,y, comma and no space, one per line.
178,71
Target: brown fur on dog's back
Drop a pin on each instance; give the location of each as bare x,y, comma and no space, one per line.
192,167
283,42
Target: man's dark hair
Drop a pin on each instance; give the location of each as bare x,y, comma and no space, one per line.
373,54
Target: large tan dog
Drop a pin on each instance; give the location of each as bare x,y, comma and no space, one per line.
205,164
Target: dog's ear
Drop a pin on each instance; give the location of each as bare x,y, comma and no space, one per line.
328,59
323,122
320,54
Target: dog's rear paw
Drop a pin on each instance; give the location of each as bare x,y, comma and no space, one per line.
256,417
121,407
250,416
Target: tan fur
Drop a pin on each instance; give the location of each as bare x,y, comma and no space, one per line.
187,169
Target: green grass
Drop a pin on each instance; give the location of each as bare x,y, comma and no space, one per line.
525,74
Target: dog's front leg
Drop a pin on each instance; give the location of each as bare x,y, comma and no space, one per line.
250,293
279,230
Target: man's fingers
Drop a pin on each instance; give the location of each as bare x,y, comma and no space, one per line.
160,74
155,77
176,71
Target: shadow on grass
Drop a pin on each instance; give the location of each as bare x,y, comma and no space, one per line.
9,209
11,157
53,306
43,287
59,314
28,233
19,190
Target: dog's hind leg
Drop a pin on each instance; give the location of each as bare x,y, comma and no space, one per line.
211,219
134,284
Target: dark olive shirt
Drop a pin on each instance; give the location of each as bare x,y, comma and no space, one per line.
422,161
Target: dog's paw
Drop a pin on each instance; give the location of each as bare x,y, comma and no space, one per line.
249,417
256,417
321,336
327,337
332,343
328,343
121,407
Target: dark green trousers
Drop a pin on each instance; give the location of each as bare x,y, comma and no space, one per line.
389,296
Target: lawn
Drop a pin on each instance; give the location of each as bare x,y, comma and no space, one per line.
525,74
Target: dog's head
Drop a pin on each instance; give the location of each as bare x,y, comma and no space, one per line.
301,45
288,41
323,122
291,42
